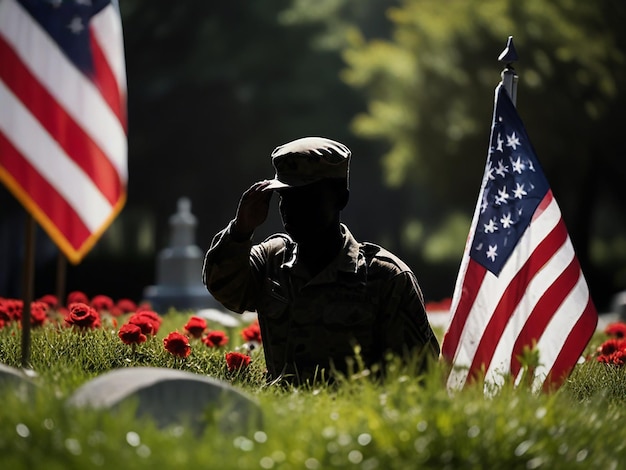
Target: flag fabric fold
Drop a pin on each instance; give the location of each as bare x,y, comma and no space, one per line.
63,139
520,285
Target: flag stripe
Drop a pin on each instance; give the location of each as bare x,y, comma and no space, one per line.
44,199
107,32
522,317
48,158
513,294
106,81
570,352
474,274
560,327
76,144
75,93
537,322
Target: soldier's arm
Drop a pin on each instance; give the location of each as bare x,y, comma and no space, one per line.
406,327
232,266
228,273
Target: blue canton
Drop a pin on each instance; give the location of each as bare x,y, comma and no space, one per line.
66,22
513,186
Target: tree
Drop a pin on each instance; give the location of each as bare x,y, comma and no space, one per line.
430,91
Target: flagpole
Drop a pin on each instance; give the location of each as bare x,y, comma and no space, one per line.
28,287
61,277
509,77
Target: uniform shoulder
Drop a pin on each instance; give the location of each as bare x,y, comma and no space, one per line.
379,257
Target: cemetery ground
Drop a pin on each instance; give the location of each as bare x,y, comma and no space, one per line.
399,422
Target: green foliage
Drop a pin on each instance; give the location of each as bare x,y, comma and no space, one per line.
429,89
400,422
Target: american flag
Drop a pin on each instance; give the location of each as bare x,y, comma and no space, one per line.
520,284
63,142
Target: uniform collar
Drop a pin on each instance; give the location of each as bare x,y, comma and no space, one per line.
347,260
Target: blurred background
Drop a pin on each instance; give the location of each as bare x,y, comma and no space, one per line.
408,85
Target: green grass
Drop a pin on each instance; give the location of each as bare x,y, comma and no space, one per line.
400,423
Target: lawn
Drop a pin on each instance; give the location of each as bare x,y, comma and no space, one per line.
403,421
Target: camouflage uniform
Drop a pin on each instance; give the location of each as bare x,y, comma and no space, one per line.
366,296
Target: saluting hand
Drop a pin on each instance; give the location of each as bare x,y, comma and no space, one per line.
252,210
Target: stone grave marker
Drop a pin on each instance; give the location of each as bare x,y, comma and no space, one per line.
171,396
16,380
179,267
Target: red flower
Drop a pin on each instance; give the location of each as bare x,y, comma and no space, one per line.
5,316
215,339
252,332
177,344
611,345
147,320
617,330
131,334
76,297
102,303
83,316
196,326
50,300
617,358
236,361
38,313
126,305
14,308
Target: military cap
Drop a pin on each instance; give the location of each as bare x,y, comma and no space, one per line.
308,160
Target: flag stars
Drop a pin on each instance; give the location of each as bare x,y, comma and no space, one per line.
499,142
76,25
492,252
506,221
517,165
512,141
502,169
491,226
519,192
502,196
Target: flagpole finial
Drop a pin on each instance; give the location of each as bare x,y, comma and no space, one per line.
509,54
509,77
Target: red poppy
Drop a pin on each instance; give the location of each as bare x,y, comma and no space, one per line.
236,361
617,358
76,297
126,305
177,344
102,303
14,308
38,313
617,330
147,320
5,317
196,326
252,332
131,334
83,316
215,339
51,300
611,345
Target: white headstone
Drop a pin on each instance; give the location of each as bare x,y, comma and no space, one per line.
171,396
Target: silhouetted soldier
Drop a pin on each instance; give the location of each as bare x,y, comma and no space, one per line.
318,292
